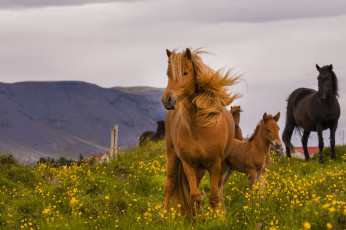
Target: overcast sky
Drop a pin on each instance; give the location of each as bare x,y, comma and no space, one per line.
122,43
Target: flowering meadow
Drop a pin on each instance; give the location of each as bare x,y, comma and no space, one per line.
127,193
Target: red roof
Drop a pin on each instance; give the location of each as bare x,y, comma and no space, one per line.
97,155
311,150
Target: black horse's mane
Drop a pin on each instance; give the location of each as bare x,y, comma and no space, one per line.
335,84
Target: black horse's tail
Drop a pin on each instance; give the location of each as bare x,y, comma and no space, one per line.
290,124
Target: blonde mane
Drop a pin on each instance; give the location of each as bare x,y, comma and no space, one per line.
257,128
210,94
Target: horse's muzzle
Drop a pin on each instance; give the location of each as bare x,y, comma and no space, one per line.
277,144
169,102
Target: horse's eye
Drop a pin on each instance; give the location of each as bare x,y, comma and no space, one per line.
268,130
185,73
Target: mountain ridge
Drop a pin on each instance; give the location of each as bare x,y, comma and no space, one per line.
69,118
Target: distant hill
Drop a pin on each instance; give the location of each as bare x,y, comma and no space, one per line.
53,119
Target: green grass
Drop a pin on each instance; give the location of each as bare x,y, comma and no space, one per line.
127,193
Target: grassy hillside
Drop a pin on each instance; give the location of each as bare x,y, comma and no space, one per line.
128,194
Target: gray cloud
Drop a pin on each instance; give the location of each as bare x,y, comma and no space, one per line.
248,11
22,4
204,10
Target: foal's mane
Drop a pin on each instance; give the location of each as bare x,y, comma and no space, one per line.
209,95
257,128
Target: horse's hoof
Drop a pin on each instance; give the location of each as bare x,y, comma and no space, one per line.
196,197
214,203
321,160
307,158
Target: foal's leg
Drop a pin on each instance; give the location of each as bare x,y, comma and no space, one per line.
262,177
252,175
215,170
305,143
332,139
320,142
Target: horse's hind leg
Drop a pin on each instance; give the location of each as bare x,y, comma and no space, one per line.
332,139
286,136
226,172
199,175
172,165
305,138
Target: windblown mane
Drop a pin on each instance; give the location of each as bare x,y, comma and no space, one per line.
257,128
335,84
210,90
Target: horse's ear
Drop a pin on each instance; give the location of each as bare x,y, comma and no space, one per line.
265,116
168,53
277,117
318,68
188,53
330,67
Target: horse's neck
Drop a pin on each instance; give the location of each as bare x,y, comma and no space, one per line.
236,118
260,143
187,113
159,132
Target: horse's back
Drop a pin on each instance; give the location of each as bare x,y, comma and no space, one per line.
300,94
307,110
145,136
239,154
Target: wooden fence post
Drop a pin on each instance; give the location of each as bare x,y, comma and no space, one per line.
114,141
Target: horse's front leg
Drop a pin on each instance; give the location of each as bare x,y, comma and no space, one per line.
252,175
262,175
215,170
191,175
320,143
305,144
332,139
262,178
224,176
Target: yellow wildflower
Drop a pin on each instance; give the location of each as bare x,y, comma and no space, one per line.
307,225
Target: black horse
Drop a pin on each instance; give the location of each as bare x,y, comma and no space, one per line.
153,136
311,110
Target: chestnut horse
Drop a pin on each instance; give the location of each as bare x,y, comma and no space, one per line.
235,111
252,156
199,129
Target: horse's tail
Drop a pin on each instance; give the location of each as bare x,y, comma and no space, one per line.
286,138
181,197
290,124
